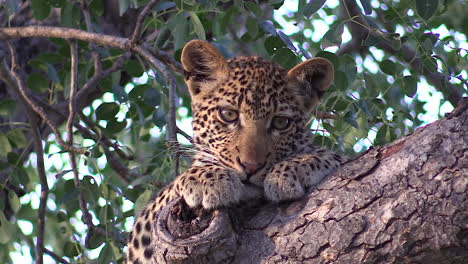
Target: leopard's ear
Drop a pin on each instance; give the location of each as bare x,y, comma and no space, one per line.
204,66
311,78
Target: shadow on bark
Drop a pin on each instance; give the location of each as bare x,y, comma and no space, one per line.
405,202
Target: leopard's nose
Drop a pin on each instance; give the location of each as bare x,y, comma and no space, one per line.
251,167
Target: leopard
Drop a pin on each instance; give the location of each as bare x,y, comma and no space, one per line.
251,136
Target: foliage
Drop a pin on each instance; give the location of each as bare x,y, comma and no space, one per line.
377,97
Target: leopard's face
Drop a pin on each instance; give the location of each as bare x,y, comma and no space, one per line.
248,113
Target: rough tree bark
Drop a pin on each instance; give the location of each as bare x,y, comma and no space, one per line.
401,203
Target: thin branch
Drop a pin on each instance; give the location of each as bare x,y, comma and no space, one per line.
87,217
112,160
56,257
16,83
140,21
23,90
185,135
73,89
171,82
89,26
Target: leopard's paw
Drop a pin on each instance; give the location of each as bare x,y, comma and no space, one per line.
222,188
283,183
210,188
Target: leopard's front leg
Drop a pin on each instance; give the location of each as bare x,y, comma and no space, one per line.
289,179
210,186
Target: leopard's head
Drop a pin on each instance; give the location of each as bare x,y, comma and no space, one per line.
249,113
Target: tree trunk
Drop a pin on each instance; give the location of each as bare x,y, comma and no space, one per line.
401,203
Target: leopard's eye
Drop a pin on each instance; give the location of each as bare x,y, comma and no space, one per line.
280,123
228,115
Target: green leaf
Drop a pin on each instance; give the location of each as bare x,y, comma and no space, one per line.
71,249
163,37
96,7
254,8
382,136
426,8
5,146
14,158
348,66
41,9
159,118
410,86
58,3
252,27
52,73
333,36
106,213
70,15
37,82
285,57
17,138
337,103
14,201
152,97
119,93
164,5
134,68
107,111
312,7
276,4
181,30
94,240
341,81
388,67
430,64
114,126
6,229
273,44
7,106
197,26
332,57
372,88
142,200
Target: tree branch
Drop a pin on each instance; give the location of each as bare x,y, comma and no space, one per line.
56,257
405,202
17,84
25,93
135,38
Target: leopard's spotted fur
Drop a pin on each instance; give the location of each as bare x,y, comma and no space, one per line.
250,133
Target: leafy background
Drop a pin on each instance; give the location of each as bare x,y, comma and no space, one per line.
379,94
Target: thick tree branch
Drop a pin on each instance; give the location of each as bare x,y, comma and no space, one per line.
406,202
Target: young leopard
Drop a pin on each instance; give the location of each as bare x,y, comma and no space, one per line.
250,134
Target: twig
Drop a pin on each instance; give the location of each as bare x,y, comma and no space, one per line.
56,257
112,160
135,38
87,217
185,135
89,26
22,88
13,76
171,82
